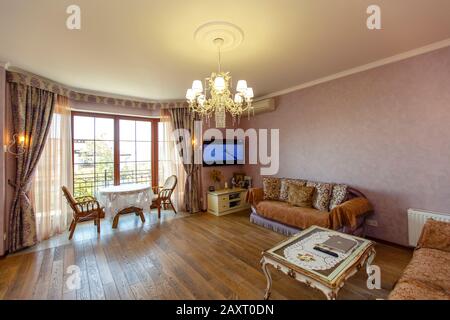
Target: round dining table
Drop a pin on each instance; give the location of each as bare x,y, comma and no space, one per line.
125,199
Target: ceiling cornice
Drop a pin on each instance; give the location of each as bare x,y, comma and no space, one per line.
398,57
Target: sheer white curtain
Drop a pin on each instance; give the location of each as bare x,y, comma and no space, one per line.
169,161
54,170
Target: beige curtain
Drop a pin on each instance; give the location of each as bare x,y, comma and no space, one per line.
54,170
170,162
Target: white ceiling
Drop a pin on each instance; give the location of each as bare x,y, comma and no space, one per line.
145,48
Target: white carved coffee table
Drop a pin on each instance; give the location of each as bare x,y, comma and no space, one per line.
296,258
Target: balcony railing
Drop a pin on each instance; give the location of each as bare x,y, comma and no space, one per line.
87,183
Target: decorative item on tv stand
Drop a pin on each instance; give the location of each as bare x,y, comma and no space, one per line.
248,182
238,180
216,177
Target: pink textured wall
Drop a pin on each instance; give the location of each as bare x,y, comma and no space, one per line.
385,131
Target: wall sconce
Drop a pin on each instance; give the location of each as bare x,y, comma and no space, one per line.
18,140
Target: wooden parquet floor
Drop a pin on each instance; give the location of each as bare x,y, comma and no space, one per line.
193,257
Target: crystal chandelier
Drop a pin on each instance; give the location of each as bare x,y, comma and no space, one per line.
215,95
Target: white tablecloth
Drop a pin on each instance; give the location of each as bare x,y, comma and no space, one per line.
320,261
117,198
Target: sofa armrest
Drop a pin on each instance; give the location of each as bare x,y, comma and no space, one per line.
435,235
347,213
254,196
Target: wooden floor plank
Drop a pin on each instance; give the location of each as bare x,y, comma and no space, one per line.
70,295
95,282
69,260
118,275
27,274
55,291
40,291
103,268
111,292
139,291
83,292
7,280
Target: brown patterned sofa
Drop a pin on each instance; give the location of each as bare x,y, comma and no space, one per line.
427,277
335,206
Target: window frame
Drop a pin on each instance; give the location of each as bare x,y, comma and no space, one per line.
116,158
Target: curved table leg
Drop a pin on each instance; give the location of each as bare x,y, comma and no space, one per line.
137,211
370,258
116,221
141,214
266,271
331,295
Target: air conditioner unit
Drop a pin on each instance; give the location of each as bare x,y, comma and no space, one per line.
266,105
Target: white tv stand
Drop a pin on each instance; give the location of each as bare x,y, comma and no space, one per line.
226,201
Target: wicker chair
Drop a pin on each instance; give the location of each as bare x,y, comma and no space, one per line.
164,194
84,209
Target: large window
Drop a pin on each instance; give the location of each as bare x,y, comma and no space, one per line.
112,150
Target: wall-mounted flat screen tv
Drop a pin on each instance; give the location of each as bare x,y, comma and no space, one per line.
223,152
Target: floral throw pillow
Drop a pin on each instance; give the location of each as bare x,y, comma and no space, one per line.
284,190
271,188
322,195
338,195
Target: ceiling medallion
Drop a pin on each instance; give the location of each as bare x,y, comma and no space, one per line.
213,96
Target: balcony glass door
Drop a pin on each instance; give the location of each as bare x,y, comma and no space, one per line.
112,150
93,154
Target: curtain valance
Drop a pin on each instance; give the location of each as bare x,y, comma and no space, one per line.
39,82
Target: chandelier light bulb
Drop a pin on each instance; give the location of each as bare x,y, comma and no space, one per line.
237,98
190,94
197,86
249,93
201,99
241,86
219,84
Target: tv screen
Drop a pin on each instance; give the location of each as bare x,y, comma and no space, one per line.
223,152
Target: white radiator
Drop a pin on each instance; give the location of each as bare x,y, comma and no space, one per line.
416,220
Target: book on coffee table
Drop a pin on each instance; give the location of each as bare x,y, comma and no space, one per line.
339,244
